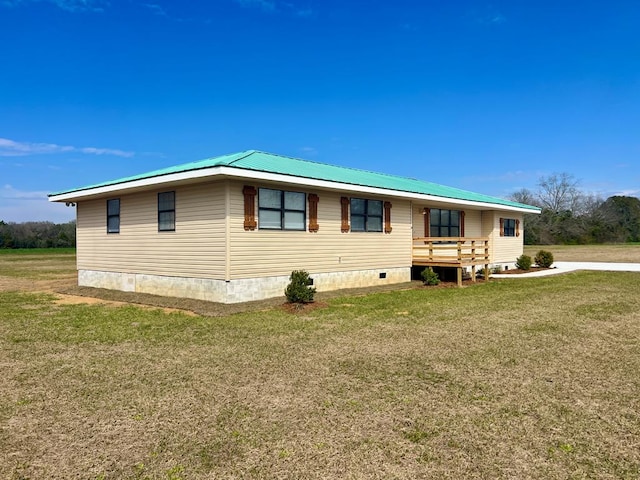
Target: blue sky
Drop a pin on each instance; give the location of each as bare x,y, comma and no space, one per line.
485,96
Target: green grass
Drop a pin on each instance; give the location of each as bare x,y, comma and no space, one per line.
37,251
535,378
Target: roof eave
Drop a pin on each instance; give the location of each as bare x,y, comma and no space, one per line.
242,173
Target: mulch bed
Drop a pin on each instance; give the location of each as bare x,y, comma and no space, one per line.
516,271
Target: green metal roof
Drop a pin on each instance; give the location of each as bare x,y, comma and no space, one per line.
278,164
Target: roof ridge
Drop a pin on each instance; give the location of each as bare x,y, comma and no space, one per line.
241,156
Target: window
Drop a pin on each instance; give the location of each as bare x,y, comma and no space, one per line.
113,215
444,223
366,215
509,227
280,210
167,212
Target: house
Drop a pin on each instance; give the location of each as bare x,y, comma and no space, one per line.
233,228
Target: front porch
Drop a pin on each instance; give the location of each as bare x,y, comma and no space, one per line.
453,252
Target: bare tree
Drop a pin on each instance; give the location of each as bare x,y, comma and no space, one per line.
568,215
525,196
559,192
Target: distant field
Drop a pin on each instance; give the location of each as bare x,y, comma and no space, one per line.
37,251
528,379
21,267
628,252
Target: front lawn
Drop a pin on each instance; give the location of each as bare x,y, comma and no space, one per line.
536,378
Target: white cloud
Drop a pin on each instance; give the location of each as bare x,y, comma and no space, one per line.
11,148
262,4
628,193
292,8
157,9
31,206
496,18
488,16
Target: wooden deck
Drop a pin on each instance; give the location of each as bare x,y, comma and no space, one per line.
454,252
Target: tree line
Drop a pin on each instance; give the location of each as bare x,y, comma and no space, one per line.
571,216
37,235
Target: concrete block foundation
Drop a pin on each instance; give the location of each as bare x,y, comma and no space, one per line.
239,290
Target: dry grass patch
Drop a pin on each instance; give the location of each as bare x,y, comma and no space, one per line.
530,379
37,269
617,253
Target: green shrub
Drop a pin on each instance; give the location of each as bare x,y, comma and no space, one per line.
495,269
299,289
544,259
523,262
429,277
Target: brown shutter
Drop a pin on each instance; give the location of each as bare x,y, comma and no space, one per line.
249,207
502,227
387,217
427,222
517,228
462,223
313,212
344,204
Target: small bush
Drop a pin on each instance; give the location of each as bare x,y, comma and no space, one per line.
523,262
429,277
298,290
544,259
480,272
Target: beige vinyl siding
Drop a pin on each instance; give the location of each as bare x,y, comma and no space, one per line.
505,249
473,223
268,253
418,220
488,230
195,249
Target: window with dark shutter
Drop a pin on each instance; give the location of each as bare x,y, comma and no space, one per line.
445,223
508,227
281,210
366,215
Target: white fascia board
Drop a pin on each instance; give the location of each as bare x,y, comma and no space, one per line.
230,172
126,187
